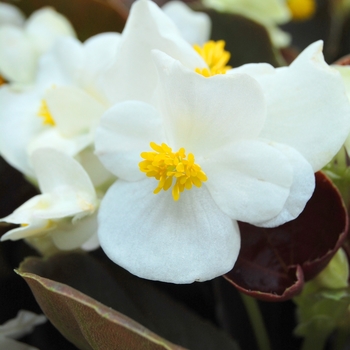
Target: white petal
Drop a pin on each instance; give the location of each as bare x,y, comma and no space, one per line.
203,114
72,235
301,190
307,108
45,25
18,59
55,171
52,138
10,14
156,238
74,111
19,123
23,324
133,75
194,26
249,181
125,131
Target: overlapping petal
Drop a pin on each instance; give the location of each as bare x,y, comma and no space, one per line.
250,180
291,116
157,238
125,131
67,191
204,114
194,26
147,28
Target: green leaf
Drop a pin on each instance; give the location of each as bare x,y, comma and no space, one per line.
89,324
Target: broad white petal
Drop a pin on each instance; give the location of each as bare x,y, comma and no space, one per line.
70,235
125,131
18,59
203,114
194,26
45,25
307,107
133,75
19,124
74,111
154,237
301,190
249,180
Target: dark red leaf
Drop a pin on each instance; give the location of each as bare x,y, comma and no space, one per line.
274,262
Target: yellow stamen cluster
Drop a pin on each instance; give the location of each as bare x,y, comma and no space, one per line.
44,113
165,165
215,57
302,9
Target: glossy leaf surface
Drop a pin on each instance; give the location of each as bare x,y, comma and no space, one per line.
273,263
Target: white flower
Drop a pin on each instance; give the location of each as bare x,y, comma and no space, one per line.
269,13
17,327
62,109
255,143
67,207
21,47
194,26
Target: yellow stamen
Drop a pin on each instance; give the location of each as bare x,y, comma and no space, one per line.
214,56
44,112
2,80
302,9
165,165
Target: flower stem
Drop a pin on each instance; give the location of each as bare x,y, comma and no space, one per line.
257,322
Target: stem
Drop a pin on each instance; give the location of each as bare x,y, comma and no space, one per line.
257,322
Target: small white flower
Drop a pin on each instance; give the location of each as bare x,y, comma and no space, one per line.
62,109
67,207
21,47
17,327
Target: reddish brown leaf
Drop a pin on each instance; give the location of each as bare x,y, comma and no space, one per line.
274,262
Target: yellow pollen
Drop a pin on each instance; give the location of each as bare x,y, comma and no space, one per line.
214,56
166,165
44,112
302,9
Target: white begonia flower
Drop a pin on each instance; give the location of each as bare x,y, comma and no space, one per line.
62,109
67,207
251,148
269,13
10,14
194,26
21,47
17,327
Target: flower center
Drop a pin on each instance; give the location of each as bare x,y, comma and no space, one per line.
302,9
165,165
44,113
214,56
